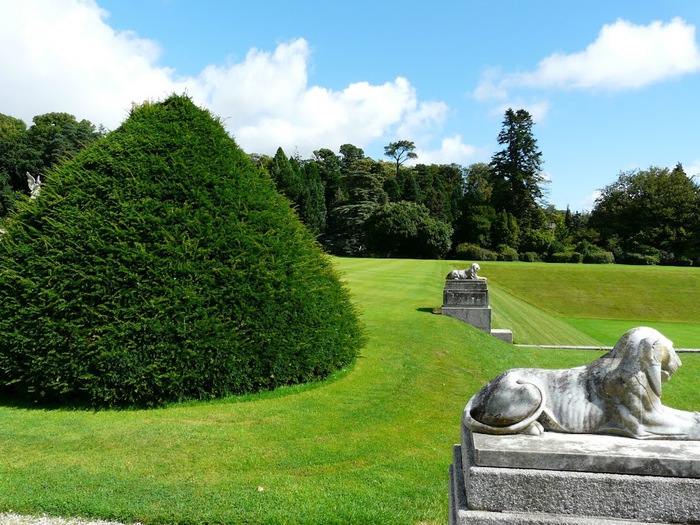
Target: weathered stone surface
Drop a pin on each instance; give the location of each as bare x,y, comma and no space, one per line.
566,496
466,293
502,334
461,514
617,394
588,453
478,317
468,301
586,469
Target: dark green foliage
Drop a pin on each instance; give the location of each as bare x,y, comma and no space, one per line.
313,207
473,252
328,167
530,257
400,151
7,195
650,212
506,253
53,137
301,184
365,190
566,257
537,241
405,229
505,230
593,254
598,257
350,155
639,259
160,265
287,177
516,169
410,190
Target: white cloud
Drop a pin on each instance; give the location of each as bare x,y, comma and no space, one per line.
588,203
693,169
451,150
491,86
623,57
62,55
427,116
537,110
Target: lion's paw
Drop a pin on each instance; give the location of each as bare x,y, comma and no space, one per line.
534,429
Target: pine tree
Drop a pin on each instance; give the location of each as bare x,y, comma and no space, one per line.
516,169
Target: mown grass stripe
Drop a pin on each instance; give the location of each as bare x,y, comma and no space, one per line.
371,446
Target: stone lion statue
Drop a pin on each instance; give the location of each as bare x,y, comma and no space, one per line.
618,393
469,273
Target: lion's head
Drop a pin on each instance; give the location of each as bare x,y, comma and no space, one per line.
649,351
473,270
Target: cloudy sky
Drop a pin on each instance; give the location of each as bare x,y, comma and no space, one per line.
612,85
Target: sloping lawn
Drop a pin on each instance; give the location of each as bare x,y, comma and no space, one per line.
600,301
370,446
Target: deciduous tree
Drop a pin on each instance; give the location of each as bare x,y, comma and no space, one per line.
644,211
406,229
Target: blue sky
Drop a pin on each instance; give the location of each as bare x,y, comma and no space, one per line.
612,85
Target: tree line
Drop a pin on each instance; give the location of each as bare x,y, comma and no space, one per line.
363,207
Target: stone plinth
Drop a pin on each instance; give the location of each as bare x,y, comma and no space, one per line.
468,301
573,479
469,293
503,334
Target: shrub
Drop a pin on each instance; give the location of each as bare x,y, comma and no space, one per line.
406,229
598,257
639,259
530,257
473,252
159,265
537,241
566,257
506,253
670,259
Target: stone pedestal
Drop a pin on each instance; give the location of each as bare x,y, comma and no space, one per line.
468,301
573,479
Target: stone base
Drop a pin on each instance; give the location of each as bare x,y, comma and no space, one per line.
573,479
503,335
478,317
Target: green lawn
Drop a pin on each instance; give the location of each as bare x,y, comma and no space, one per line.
371,446
599,301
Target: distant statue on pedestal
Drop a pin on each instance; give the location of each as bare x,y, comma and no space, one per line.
34,185
469,273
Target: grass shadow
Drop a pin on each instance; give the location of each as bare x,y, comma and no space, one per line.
429,310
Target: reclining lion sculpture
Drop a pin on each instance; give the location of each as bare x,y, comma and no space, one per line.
618,393
469,273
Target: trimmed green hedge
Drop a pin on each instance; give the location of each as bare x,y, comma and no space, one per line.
566,257
598,257
506,253
159,265
474,252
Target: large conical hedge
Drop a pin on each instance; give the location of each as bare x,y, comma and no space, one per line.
159,265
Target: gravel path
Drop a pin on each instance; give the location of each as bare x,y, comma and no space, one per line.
18,519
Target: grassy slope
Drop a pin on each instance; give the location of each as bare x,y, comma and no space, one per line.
371,447
603,301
